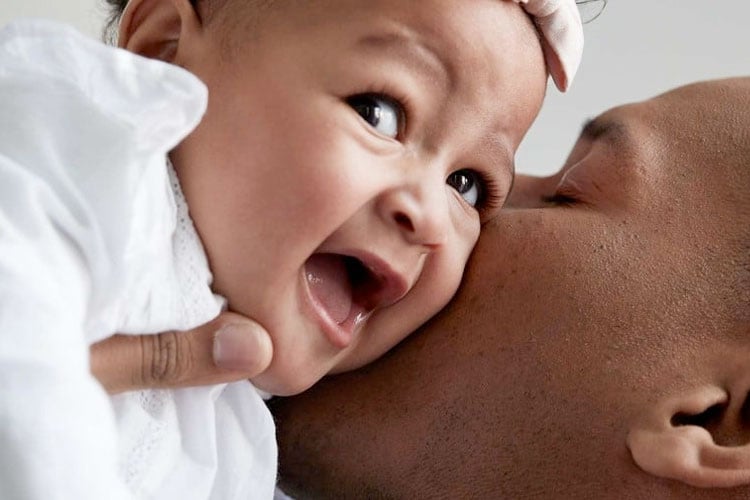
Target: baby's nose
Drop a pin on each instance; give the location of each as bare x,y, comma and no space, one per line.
418,213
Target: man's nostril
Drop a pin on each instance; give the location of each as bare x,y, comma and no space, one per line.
404,221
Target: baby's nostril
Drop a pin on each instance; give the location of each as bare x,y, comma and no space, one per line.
404,221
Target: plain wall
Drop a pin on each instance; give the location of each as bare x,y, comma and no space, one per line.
634,50
86,15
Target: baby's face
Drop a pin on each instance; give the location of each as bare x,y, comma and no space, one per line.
350,153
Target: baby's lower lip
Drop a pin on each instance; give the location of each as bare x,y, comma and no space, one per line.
326,290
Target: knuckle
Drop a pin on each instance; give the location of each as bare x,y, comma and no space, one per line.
166,359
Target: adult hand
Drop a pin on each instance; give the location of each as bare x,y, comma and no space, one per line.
229,348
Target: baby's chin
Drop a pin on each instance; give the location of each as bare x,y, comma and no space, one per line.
287,380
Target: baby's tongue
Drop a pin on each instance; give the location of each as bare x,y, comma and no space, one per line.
329,284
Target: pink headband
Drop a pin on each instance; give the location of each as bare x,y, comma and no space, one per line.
559,23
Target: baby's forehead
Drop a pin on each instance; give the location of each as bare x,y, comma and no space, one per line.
470,42
440,19
477,69
555,23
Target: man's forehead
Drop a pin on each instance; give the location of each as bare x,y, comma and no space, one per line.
710,120
715,100
679,124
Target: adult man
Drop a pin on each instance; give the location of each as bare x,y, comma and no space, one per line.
598,348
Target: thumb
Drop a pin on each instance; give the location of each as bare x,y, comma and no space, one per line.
241,345
229,348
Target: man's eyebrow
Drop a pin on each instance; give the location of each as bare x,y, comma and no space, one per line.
607,129
417,54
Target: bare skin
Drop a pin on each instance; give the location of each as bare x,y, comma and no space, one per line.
602,326
229,348
345,164
598,345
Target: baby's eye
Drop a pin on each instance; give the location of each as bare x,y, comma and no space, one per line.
382,113
468,184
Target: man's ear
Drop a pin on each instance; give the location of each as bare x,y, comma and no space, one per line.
701,437
155,28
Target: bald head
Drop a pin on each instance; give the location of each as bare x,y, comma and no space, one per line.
597,348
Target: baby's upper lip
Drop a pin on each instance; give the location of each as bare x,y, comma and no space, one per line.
383,285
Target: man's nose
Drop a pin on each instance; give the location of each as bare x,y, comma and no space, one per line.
418,212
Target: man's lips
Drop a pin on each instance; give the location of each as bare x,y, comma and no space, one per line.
345,289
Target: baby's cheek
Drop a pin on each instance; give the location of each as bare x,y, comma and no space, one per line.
448,272
436,286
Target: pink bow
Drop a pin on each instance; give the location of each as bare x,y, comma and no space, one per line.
559,23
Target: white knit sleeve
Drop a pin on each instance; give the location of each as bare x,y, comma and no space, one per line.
69,115
57,434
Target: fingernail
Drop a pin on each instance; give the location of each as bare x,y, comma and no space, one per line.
235,347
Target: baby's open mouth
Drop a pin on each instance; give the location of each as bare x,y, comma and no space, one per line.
347,289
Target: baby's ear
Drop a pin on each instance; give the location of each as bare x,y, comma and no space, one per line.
701,437
155,28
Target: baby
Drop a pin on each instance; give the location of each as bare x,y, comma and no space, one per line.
338,158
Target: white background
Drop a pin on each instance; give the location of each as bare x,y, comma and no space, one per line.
636,49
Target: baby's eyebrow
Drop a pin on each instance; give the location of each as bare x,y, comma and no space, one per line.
416,54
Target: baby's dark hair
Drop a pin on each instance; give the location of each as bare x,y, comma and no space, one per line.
115,9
